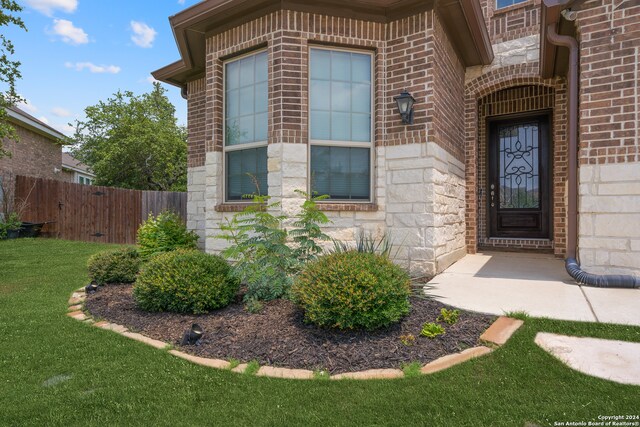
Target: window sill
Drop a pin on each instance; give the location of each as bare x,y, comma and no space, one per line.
231,207
348,207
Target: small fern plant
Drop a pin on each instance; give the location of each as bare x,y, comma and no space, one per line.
267,256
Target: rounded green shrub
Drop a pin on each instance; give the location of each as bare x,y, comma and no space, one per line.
353,290
114,266
185,281
164,233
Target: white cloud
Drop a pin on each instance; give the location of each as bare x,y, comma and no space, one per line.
69,33
67,129
180,1
44,120
143,35
60,112
49,6
152,79
79,66
27,106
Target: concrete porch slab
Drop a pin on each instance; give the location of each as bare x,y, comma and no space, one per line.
499,282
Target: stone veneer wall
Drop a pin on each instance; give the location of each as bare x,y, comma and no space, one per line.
196,171
609,226
418,169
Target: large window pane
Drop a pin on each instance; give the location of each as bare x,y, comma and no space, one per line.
261,98
341,172
320,125
247,68
340,127
246,96
341,85
246,121
361,127
340,111
245,169
320,95
361,68
341,66
320,64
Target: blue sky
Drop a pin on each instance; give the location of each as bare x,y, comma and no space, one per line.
79,52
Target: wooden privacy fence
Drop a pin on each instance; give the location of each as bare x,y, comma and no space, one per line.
92,213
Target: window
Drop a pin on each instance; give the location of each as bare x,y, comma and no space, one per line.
505,3
84,180
245,132
340,104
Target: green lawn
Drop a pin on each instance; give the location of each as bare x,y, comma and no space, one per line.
57,371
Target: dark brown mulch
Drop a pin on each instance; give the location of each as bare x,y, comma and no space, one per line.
277,336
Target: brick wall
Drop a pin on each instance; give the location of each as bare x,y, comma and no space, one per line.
33,155
482,89
609,35
512,22
609,191
408,54
525,99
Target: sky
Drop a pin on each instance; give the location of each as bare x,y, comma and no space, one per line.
79,52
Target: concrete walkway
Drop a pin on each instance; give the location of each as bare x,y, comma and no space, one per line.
617,361
499,282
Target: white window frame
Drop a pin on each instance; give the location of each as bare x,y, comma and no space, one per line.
344,144
238,147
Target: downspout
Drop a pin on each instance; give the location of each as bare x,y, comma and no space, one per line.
571,264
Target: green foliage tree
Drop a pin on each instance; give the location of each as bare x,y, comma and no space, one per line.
134,141
9,69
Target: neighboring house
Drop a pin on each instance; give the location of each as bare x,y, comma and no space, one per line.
37,152
302,95
74,170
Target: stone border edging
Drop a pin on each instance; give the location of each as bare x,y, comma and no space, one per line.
495,336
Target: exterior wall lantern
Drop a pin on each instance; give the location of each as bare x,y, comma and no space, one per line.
405,105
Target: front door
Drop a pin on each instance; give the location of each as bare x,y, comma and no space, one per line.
519,177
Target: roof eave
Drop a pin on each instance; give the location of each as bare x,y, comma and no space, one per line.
34,125
472,43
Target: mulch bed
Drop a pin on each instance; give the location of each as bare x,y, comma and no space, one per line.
277,336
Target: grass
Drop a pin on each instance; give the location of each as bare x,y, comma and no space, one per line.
57,371
412,369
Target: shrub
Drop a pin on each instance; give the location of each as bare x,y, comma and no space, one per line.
114,266
8,223
266,254
164,233
366,242
184,281
353,290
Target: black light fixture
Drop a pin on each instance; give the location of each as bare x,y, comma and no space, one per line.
91,287
405,105
192,335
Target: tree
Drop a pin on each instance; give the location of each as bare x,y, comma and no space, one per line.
134,142
9,69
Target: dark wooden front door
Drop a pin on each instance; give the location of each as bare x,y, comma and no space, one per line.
519,174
